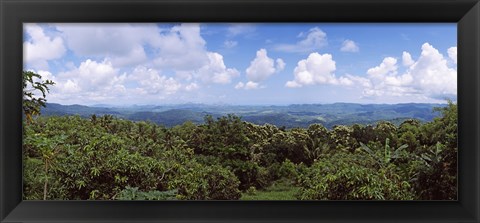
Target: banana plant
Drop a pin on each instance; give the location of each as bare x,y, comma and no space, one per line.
315,148
435,156
389,153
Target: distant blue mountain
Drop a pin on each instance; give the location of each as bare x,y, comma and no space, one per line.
290,116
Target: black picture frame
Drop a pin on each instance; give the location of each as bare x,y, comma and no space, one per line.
466,13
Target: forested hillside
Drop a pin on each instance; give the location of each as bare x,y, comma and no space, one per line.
105,158
288,116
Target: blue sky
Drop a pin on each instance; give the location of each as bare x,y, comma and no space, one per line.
252,64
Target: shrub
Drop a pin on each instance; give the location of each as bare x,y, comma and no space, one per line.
345,177
288,170
251,191
199,182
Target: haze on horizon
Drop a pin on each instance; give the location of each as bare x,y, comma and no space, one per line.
236,105
244,64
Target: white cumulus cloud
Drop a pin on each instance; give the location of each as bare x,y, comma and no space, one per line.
92,75
40,48
91,81
407,59
429,76
260,69
216,71
263,67
316,69
178,49
432,73
388,66
152,82
123,44
349,46
452,53
181,48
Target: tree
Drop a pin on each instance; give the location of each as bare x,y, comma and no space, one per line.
49,151
437,178
342,136
31,102
384,130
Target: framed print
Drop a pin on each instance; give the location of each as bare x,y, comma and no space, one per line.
160,111
174,118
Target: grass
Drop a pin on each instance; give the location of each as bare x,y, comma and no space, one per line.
280,190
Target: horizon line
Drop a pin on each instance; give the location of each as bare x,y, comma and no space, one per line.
227,104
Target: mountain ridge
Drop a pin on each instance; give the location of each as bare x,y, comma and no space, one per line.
289,116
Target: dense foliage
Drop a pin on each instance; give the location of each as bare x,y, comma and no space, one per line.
104,157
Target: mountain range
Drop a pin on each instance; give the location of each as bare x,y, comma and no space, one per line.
289,116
